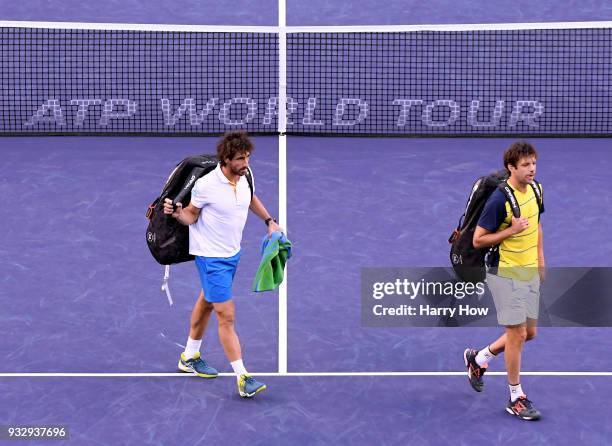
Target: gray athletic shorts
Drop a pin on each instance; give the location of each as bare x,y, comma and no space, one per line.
515,300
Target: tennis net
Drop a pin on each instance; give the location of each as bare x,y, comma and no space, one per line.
549,81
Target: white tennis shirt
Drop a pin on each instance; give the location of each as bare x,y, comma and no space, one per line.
224,209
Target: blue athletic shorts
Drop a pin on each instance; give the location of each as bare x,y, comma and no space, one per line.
217,275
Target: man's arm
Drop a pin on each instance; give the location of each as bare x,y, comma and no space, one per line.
187,216
260,210
483,238
541,261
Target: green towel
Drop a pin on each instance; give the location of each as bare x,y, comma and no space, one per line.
275,252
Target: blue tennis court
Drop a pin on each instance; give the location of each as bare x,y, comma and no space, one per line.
91,343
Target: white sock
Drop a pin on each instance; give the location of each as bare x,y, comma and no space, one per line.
192,347
238,367
515,392
484,356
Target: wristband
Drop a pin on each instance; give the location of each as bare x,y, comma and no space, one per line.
268,220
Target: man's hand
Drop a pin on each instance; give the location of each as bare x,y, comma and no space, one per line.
274,227
542,271
169,209
519,224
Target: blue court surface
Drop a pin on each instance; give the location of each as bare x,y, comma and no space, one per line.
81,295
90,342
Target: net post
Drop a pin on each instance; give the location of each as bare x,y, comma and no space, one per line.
282,178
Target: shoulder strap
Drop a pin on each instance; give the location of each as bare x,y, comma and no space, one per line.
537,190
249,178
509,193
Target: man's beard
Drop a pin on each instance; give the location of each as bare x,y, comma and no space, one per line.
238,172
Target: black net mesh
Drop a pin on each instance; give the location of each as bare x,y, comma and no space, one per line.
450,83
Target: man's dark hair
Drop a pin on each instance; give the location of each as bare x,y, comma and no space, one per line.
233,143
516,151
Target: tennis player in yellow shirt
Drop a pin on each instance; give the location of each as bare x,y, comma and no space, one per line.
514,275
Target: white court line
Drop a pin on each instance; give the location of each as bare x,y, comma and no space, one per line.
305,29
282,179
288,375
